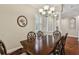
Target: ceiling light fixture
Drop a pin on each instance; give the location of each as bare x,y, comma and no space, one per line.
47,10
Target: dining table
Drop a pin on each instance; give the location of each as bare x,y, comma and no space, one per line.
45,48
38,46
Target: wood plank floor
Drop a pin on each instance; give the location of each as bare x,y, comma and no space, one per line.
72,46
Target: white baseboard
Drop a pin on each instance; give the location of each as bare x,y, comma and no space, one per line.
14,49
73,36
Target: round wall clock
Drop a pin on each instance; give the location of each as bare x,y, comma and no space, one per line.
22,21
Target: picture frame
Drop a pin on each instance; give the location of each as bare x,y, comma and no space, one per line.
22,21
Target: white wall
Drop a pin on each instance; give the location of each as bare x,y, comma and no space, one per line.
10,32
65,27
77,27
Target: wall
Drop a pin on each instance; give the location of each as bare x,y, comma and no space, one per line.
10,32
65,27
77,27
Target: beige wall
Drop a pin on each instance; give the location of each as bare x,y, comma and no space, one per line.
65,27
10,32
77,27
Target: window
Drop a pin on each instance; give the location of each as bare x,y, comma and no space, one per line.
44,24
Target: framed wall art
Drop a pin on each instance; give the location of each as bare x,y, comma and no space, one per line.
22,21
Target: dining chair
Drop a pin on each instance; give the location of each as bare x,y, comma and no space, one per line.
31,36
58,47
40,39
56,34
2,48
63,43
40,34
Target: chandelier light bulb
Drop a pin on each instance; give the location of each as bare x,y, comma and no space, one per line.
55,14
46,7
43,13
49,12
52,9
40,10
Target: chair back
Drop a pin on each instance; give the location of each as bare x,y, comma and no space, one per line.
64,40
40,34
2,48
31,36
56,35
63,43
58,47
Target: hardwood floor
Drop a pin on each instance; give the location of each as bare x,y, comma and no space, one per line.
71,47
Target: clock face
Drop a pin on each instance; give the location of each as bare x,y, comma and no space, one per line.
22,21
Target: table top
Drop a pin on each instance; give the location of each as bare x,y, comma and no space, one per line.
71,47
36,48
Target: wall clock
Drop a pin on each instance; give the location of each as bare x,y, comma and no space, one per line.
22,21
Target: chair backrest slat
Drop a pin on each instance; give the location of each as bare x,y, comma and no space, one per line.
2,48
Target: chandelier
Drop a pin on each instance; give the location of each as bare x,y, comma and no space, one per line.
48,11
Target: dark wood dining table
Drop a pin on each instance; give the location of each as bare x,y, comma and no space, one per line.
30,48
71,47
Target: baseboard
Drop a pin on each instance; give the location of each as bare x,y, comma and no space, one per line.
14,49
73,36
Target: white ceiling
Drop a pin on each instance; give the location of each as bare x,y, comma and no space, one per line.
69,10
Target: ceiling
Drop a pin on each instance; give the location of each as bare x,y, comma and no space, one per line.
69,10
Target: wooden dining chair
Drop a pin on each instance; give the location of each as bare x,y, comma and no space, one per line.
65,37
58,47
63,43
2,48
40,39
40,34
31,36
56,34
